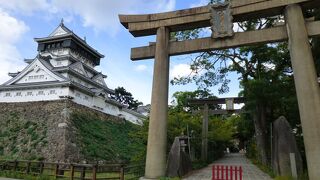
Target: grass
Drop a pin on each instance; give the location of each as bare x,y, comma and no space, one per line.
199,164
103,139
16,175
263,168
302,177
48,175
284,178
270,172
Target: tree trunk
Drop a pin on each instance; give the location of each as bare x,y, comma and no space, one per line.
261,132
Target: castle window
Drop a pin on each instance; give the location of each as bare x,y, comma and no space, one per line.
41,76
7,94
59,63
52,91
30,77
86,98
77,94
29,93
35,77
18,94
40,93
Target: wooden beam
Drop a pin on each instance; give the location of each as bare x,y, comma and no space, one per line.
236,100
143,25
275,34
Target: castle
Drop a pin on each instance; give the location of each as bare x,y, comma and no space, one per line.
64,69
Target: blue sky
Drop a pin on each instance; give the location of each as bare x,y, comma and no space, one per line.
97,20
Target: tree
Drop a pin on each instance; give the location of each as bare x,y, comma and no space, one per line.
181,99
182,121
124,97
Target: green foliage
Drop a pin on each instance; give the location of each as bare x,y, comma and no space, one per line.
182,122
221,130
181,100
124,97
105,139
284,178
264,168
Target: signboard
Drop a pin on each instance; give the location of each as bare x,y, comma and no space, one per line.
221,20
229,104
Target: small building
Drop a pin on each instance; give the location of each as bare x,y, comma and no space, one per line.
64,69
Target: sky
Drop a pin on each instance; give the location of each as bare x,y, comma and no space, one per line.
23,20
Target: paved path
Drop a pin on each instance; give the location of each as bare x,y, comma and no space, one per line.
250,171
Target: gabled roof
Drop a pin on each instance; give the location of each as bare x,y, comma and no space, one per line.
83,77
99,77
62,32
37,63
78,66
85,66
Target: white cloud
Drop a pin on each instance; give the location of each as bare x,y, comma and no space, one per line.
10,32
180,70
24,6
168,5
11,28
200,3
141,68
102,15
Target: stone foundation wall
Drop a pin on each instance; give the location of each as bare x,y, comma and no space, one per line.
42,130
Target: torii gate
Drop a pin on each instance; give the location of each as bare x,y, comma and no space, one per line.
297,30
229,102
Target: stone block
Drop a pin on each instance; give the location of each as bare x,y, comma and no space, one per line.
284,143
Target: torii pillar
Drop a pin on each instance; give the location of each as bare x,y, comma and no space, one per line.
157,136
307,86
204,142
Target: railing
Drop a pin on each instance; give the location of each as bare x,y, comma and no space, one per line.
73,170
134,171
221,172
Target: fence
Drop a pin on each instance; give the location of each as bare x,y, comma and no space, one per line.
74,171
221,172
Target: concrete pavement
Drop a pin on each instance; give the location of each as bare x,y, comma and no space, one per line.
250,171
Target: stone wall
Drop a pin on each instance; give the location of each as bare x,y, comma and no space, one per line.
42,130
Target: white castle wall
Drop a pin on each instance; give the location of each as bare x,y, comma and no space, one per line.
51,94
130,117
28,95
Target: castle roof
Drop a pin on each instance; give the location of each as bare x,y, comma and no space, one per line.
64,33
